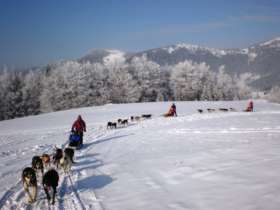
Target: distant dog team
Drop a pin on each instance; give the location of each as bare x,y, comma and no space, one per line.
121,123
210,110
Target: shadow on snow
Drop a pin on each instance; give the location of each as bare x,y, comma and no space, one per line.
86,145
94,182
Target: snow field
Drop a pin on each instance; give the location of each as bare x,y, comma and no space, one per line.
195,161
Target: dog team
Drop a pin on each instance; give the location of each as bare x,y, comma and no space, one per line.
60,159
64,158
249,108
124,122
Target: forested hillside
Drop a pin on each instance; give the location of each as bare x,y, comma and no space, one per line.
72,84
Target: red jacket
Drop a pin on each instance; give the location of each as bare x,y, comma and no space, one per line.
250,106
172,111
79,125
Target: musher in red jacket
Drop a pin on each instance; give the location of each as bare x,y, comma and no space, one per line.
173,107
79,127
250,107
172,111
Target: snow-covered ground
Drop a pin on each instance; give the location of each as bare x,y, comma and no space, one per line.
209,161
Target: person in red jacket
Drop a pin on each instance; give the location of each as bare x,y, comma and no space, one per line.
172,111
173,107
250,107
79,127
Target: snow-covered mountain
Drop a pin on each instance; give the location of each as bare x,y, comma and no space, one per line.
260,59
106,56
213,161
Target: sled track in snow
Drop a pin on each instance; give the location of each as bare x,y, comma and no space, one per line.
95,136
78,198
66,201
69,197
14,197
6,198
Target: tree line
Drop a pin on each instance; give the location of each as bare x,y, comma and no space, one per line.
72,84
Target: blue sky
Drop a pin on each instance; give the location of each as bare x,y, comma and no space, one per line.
35,32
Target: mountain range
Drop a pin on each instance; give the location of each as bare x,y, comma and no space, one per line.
261,59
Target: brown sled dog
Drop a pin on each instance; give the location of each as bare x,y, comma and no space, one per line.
37,164
46,160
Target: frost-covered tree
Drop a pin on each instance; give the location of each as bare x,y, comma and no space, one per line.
188,80
12,104
93,84
209,87
4,83
31,92
274,94
71,84
195,81
123,88
224,85
242,81
147,75
58,87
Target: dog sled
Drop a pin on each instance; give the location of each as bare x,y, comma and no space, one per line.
75,140
172,112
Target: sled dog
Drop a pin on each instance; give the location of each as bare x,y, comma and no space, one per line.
57,156
147,116
211,110
223,109
50,181
29,181
37,164
46,160
70,152
124,122
111,125
67,160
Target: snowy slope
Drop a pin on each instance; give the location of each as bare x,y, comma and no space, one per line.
195,161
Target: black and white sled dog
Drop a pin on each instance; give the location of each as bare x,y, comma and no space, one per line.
147,116
67,160
111,125
29,180
50,181
37,164
124,122
57,156
70,152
